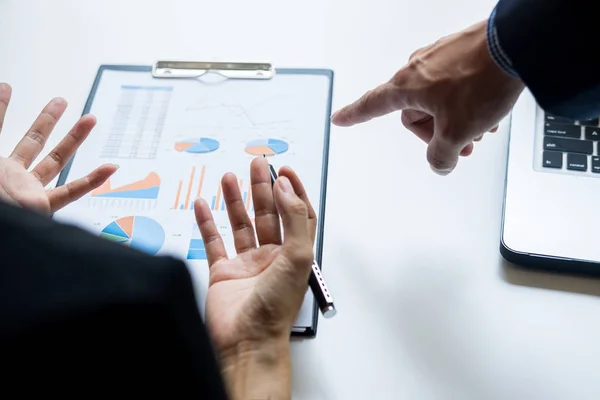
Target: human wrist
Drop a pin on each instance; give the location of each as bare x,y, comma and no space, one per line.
258,369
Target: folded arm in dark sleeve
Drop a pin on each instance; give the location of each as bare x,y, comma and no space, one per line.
551,45
80,315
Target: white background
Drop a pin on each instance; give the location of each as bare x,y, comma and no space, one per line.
427,307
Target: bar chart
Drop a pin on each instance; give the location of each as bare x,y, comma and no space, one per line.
185,189
218,201
196,251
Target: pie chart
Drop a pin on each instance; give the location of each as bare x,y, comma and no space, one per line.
141,233
267,147
197,146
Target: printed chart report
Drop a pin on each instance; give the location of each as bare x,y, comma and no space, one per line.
174,140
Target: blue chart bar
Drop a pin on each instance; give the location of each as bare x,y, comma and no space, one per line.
218,203
197,251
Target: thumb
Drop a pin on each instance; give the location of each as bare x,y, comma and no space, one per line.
442,154
382,100
297,244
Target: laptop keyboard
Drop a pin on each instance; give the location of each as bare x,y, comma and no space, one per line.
571,145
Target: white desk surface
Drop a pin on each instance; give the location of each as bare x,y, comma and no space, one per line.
428,309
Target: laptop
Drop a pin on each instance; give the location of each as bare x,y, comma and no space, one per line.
551,213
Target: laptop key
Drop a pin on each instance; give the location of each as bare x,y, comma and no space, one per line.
596,164
568,145
592,132
556,118
552,159
577,162
562,130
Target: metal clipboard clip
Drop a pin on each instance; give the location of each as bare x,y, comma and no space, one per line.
197,69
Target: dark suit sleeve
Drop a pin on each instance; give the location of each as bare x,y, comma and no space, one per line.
80,315
552,46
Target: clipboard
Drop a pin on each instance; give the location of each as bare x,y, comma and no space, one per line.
112,209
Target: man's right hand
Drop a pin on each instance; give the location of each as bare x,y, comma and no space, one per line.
451,93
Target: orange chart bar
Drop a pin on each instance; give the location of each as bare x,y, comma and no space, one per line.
248,197
178,195
201,182
218,200
189,191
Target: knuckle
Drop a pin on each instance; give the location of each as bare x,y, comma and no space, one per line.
241,225
264,212
420,51
413,54
406,119
49,118
417,62
70,188
36,136
36,175
57,158
211,238
415,117
298,208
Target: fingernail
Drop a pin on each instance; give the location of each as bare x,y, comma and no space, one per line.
334,114
117,166
285,184
441,172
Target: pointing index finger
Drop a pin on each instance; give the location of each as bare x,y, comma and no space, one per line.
382,100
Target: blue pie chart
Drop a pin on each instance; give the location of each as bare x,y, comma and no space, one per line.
141,233
197,146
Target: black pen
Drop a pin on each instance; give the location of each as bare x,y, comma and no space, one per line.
315,281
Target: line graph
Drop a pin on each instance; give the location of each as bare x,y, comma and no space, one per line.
238,112
260,115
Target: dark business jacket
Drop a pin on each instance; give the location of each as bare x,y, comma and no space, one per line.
80,316
553,46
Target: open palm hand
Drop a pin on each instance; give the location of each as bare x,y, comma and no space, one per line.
256,296
26,188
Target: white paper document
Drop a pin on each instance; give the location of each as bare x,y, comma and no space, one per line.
175,138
